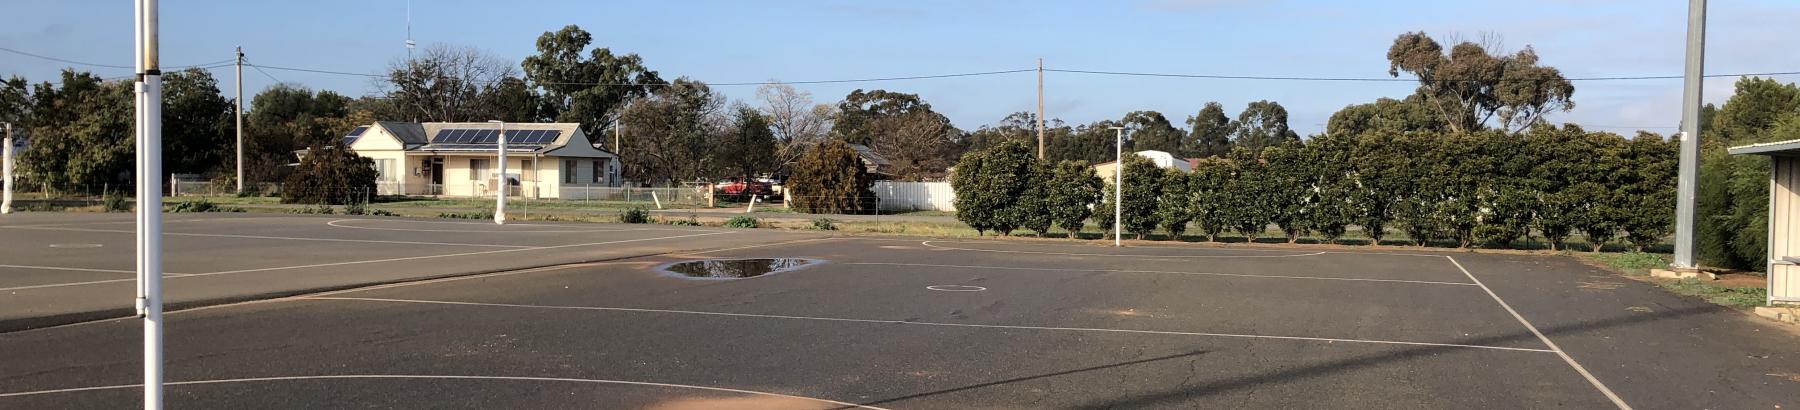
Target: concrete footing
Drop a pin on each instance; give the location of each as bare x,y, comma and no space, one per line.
1683,274
1789,314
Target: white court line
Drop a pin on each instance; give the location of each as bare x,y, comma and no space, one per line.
338,224
68,269
1198,246
440,377
928,244
757,246
1534,330
283,238
904,322
552,225
320,265
1427,282
198,220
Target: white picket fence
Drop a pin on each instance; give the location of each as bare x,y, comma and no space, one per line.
915,196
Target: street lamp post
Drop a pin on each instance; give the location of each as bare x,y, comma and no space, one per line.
500,197
1118,185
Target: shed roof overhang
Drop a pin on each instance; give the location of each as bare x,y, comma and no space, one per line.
1789,148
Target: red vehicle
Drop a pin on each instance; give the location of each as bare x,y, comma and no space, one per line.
738,187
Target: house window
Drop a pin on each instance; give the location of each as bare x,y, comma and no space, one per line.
384,169
569,171
599,177
478,169
530,174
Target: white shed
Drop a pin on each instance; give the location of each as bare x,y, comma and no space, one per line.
1784,217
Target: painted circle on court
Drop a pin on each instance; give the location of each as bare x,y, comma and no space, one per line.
955,288
75,245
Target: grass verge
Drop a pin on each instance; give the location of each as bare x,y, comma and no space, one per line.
1638,265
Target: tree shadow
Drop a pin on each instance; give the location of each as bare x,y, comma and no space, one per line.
1029,378
1174,397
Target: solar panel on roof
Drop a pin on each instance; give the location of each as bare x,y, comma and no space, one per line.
552,135
358,132
452,136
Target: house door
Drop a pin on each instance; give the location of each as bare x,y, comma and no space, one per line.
436,169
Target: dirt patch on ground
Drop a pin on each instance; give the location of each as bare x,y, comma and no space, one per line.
1741,280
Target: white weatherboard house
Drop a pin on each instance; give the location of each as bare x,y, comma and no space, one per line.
458,158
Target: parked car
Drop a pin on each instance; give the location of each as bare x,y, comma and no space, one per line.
738,187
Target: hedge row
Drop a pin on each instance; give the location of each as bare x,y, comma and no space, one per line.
1461,189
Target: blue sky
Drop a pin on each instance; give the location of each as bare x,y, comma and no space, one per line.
742,41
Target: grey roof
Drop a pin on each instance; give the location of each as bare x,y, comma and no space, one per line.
869,154
410,134
1787,148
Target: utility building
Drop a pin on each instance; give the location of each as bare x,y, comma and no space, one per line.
1784,217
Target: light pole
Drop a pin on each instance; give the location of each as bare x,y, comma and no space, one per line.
149,301
500,197
6,166
1118,185
1689,170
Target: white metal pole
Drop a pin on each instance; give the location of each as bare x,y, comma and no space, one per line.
240,120
1685,182
149,202
6,166
1119,186
500,197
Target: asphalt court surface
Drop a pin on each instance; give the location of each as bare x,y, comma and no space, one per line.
64,268
1038,324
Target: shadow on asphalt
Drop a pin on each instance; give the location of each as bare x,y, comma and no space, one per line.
1173,397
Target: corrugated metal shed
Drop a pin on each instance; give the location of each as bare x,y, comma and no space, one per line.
1784,217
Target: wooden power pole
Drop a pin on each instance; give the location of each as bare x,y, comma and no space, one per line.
1040,122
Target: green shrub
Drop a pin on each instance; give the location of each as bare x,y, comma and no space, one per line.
117,203
635,216
1072,192
690,221
831,180
320,209
356,208
994,189
330,174
824,224
742,221
468,215
191,206
382,212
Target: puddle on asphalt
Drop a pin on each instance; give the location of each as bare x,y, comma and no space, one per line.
735,268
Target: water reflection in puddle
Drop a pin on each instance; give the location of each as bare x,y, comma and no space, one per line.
735,268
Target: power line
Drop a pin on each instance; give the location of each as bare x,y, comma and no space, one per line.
1394,79
64,60
757,83
310,70
260,70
